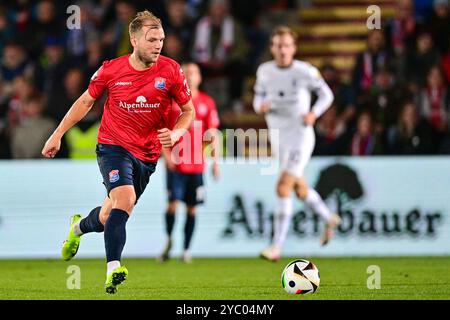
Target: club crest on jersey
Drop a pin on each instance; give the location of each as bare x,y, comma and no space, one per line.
113,176
160,83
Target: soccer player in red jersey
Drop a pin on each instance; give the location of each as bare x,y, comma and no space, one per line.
140,88
186,161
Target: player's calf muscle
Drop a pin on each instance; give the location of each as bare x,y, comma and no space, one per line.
105,211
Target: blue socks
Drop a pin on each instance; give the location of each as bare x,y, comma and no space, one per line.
170,220
115,234
92,222
188,230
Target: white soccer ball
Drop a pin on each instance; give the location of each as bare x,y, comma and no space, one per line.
300,277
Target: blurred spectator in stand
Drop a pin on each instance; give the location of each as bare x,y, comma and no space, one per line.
422,57
369,61
98,12
179,24
6,31
173,48
383,100
194,8
422,9
60,101
29,135
19,12
344,96
46,25
410,135
401,30
439,24
4,139
331,137
82,138
220,49
248,13
116,38
434,104
77,39
52,67
365,141
14,62
94,59
445,62
22,90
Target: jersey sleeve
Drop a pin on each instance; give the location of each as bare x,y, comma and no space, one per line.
315,80
98,83
180,89
324,94
173,116
212,119
260,89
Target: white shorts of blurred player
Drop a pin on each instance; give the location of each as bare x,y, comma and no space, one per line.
296,151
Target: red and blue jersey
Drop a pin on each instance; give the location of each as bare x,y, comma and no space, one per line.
188,152
138,103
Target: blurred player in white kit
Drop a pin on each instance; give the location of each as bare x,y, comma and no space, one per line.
283,93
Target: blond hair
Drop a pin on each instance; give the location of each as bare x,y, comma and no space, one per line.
141,20
282,30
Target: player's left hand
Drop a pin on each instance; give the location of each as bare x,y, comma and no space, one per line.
167,137
310,119
216,171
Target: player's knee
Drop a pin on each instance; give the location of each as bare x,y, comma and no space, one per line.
191,210
301,192
123,198
283,189
172,207
125,202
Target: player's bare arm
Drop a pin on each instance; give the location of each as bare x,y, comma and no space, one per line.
264,108
169,137
215,154
167,155
77,112
310,119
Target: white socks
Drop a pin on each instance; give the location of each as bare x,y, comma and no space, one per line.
315,202
76,228
111,266
282,220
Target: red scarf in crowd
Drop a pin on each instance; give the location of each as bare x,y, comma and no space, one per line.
362,146
435,96
368,68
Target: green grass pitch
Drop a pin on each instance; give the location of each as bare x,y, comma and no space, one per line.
341,278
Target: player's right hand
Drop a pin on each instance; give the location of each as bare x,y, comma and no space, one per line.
265,106
51,147
309,119
167,137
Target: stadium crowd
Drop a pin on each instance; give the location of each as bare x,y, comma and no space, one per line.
397,102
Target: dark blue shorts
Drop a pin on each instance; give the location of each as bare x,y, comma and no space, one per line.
119,168
186,187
